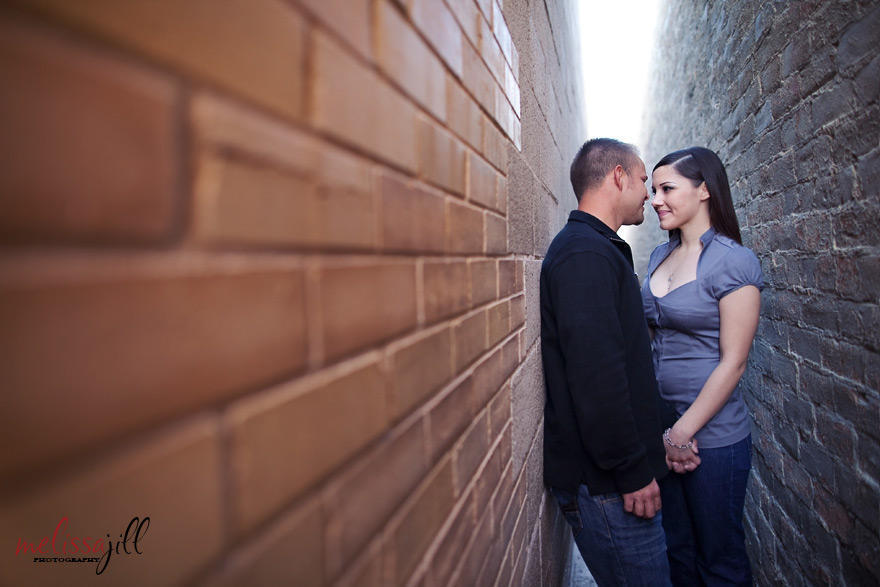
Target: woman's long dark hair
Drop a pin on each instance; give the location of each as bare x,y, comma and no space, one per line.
699,165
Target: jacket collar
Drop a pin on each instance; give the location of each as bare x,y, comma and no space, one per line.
604,230
598,225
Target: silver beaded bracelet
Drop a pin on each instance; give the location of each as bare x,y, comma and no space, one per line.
669,442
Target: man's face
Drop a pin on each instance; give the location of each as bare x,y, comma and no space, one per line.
635,193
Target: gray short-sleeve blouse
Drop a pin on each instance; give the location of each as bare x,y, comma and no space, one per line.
686,323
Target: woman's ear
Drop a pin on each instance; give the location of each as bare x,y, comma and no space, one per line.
704,191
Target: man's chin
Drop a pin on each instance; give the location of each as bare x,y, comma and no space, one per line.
636,221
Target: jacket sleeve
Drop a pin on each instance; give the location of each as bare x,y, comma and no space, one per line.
586,292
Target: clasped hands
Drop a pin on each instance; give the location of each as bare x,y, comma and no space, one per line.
681,460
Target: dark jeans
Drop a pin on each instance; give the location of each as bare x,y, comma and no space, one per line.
619,548
702,518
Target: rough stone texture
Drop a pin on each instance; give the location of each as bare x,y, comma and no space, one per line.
786,93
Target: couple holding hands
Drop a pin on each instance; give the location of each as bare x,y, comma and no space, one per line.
643,408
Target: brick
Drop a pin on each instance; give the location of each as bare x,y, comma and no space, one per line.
291,547
492,563
238,203
347,409
501,192
256,50
499,322
404,57
506,448
412,217
496,234
467,15
499,410
247,204
507,277
494,149
512,519
420,522
469,452
501,501
452,544
436,22
477,79
367,494
364,305
470,338
473,559
58,98
867,83
491,52
860,39
175,332
486,8
221,124
441,157
483,281
450,416
517,312
170,477
482,182
343,89
488,377
510,357
464,229
506,117
349,19
446,289
464,116
418,368
487,481
367,572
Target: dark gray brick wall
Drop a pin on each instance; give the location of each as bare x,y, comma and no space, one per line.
787,93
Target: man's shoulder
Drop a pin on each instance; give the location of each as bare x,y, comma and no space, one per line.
575,238
578,244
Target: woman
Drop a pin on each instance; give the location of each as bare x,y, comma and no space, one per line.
702,301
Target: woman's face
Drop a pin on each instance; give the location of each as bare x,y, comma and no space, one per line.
676,199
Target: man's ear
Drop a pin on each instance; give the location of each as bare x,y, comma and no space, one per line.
704,191
618,172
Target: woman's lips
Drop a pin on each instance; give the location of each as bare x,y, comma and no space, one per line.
662,213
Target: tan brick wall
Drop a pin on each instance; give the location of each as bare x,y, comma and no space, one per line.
262,280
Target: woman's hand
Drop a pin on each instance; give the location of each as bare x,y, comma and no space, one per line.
680,460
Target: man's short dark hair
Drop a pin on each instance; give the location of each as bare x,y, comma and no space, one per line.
595,159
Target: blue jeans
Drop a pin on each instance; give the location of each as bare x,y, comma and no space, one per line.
702,518
619,548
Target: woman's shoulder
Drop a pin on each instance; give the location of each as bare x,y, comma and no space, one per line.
736,253
734,265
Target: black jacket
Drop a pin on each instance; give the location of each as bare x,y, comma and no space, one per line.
602,423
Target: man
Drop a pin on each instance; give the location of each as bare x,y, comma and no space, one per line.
603,448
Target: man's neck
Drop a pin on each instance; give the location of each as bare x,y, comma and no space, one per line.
603,213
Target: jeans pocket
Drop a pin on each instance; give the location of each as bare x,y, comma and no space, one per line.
609,498
570,511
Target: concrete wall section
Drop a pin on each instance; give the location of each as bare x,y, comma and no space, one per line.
545,33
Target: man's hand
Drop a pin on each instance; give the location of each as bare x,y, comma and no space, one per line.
644,503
